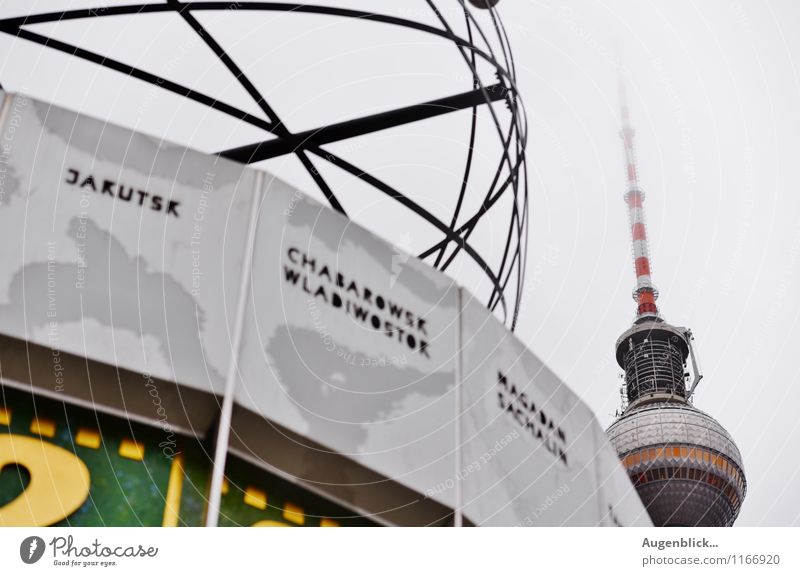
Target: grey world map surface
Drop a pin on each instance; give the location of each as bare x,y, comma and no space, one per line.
134,298
354,397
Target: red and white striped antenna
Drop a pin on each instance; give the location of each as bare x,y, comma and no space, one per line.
645,293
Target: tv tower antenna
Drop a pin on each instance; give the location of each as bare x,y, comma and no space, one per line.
645,294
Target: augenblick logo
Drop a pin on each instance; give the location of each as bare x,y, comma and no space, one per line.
67,553
31,549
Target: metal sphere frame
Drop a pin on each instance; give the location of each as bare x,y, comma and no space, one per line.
510,176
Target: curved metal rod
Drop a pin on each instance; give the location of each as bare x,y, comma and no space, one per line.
288,142
17,21
279,127
474,71
470,153
486,205
414,207
168,85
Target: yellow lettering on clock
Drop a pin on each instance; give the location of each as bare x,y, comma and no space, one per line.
270,524
59,481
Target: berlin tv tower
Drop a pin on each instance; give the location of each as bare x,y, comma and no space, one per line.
685,466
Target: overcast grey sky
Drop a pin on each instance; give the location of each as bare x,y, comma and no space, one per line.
714,93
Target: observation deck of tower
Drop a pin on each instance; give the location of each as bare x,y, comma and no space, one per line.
685,466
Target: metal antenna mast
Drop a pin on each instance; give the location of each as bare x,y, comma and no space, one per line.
645,293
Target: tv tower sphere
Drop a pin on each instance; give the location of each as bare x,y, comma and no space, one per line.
685,466
404,118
